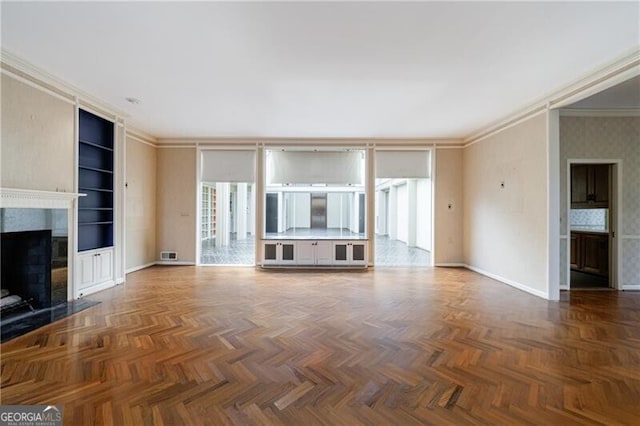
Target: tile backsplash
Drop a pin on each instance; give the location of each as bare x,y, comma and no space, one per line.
596,219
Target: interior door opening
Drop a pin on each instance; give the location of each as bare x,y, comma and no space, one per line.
592,223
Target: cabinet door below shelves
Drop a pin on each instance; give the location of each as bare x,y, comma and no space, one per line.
104,266
95,267
85,271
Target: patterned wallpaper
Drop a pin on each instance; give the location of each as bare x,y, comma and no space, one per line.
607,138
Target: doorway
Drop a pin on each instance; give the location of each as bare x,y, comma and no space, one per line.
592,219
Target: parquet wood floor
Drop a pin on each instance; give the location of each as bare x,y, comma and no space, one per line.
196,346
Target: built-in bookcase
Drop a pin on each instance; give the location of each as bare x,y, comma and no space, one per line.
95,179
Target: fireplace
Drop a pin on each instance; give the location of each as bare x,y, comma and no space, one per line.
27,268
36,254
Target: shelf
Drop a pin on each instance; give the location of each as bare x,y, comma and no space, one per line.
96,180
95,169
106,148
95,189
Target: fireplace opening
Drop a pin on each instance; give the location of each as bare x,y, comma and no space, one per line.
26,270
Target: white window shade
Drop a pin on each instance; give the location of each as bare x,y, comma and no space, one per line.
402,164
306,167
228,166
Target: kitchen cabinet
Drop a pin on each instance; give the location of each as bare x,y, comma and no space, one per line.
589,186
590,252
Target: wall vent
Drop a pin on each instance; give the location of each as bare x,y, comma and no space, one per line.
168,255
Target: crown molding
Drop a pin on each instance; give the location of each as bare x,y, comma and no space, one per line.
616,112
364,142
39,76
141,136
620,69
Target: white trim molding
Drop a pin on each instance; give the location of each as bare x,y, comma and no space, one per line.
41,76
139,267
450,265
613,112
28,198
512,283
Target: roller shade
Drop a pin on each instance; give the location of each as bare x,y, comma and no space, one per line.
402,164
228,166
308,167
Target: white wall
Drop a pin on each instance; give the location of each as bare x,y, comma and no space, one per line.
423,214
506,229
302,210
606,138
335,213
402,206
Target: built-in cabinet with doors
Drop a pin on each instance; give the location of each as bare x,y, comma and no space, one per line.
96,161
315,253
589,185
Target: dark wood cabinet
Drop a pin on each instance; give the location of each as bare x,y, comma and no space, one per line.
589,185
590,252
575,251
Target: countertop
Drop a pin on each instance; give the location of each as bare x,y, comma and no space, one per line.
311,238
592,230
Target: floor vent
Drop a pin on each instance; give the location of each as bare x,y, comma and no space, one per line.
168,255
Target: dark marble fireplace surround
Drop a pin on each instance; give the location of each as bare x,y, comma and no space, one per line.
34,256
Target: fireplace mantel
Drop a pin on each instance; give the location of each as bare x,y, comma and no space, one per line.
28,198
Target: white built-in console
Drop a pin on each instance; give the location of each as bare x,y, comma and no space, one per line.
314,253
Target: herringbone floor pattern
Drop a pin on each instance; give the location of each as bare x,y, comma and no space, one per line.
193,346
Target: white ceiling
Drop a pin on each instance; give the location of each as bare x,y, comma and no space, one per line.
436,70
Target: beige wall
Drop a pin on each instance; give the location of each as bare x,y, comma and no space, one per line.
448,222
140,195
506,229
37,139
606,138
176,202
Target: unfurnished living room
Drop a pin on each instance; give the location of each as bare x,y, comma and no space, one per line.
337,213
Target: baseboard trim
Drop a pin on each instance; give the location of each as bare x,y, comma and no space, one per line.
173,263
137,268
631,287
512,283
95,288
451,265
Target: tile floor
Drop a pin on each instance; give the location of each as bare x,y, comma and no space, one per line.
388,253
